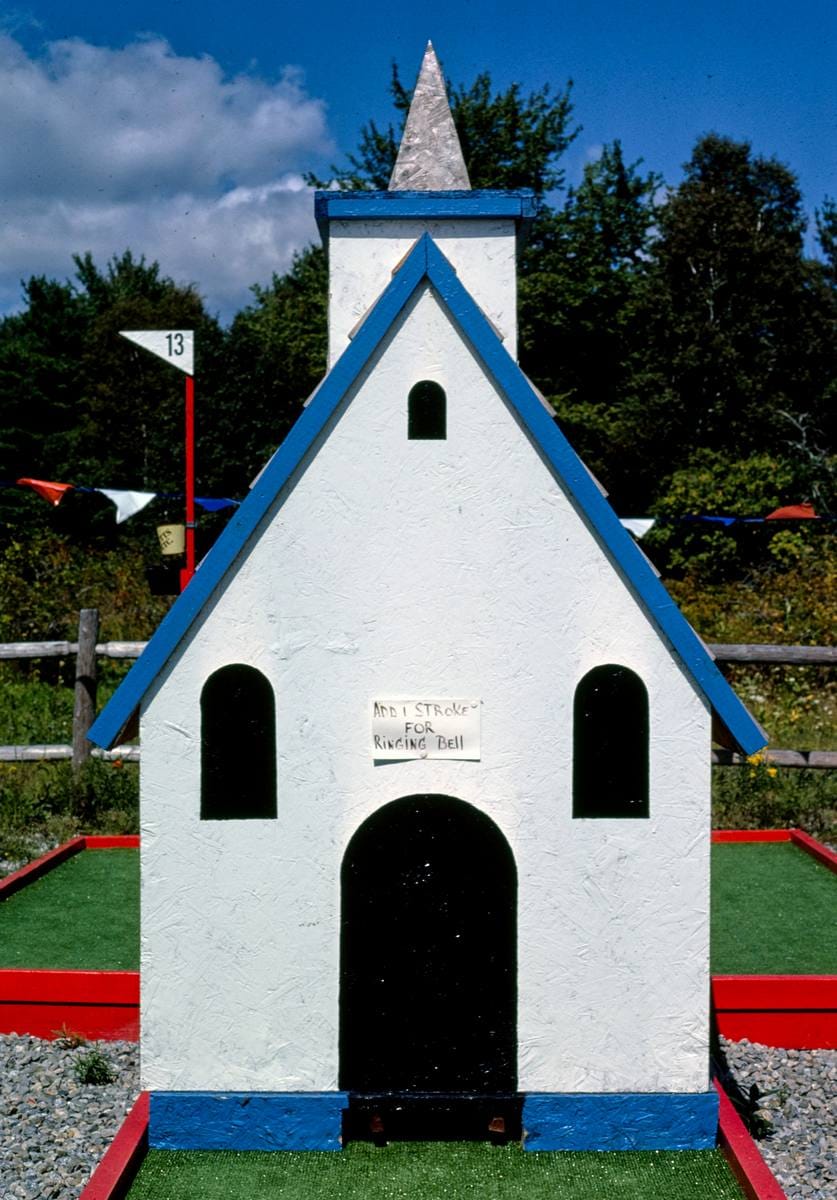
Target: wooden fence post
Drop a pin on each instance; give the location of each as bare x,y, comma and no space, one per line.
84,708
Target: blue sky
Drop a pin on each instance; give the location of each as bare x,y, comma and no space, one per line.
183,129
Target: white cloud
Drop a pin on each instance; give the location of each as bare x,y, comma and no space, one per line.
105,149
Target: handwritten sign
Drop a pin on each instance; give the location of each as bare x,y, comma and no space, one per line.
435,728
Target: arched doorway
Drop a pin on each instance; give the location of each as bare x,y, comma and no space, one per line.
428,982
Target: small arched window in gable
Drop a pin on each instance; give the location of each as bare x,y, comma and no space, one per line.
238,745
610,744
427,418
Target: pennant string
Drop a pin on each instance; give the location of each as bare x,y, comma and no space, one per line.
129,502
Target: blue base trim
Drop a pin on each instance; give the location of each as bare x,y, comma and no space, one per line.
611,1121
246,1120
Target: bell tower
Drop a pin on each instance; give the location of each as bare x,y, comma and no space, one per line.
368,234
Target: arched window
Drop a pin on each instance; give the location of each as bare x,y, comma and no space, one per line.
610,744
427,412
238,745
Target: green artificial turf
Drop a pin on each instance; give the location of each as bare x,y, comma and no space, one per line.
427,1170
83,915
773,911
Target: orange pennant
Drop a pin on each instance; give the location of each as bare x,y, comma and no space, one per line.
53,492
793,512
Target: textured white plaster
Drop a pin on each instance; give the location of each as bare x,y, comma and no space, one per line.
363,254
398,567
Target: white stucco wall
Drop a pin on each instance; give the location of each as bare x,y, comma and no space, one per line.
362,254
456,568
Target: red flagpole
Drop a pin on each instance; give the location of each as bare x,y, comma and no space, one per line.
189,569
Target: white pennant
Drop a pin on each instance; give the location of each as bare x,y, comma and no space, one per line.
128,504
638,526
176,346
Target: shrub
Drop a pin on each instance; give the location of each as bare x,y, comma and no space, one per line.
713,484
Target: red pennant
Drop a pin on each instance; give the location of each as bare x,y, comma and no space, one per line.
793,512
52,492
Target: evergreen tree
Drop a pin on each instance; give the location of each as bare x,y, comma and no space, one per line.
735,312
579,276
734,336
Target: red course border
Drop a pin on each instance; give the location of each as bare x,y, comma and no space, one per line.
49,1004
795,1012
40,866
751,835
798,836
754,1176
115,1173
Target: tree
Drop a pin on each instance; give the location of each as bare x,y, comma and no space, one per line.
826,221
737,318
735,329
579,275
39,354
276,354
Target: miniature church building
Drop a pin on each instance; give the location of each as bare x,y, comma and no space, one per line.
425,785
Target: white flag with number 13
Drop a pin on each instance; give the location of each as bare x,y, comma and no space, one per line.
176,346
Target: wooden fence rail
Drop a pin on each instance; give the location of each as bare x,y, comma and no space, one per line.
87,650
800,656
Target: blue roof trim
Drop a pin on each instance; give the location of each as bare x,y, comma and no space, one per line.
519,205
425,261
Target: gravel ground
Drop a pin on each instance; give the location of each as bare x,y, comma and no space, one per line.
37,847
797,1101
54,1128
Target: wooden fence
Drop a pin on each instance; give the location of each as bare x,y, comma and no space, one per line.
87,650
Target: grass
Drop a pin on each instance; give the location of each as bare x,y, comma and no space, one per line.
455,1171
83,915
772,911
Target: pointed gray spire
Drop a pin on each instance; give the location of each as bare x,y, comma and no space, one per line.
430,156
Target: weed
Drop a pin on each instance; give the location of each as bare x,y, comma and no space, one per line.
68,1039
756,796
94,1068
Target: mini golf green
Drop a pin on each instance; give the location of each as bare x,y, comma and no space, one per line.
83,915
773,911
425,1170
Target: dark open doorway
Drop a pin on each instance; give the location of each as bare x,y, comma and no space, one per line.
428,985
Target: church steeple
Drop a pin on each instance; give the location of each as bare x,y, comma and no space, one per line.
430,156
369,233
